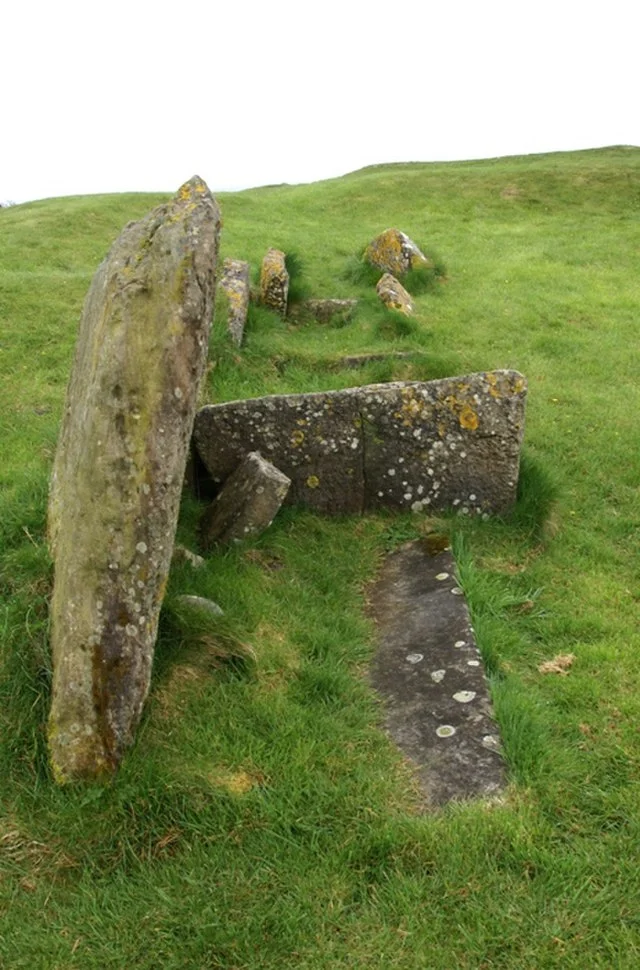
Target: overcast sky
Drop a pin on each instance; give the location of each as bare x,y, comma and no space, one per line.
139,96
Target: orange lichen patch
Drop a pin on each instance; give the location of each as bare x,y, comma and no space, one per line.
297,437
468,418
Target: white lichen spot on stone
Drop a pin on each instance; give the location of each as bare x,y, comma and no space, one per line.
491,741
442,576
177,392
460,643
141,547
472,497
464,696
416,507
457,591
445,731
463,454
473,663
355,443
130,629
414,658
408,496
420,489
391,471
437,675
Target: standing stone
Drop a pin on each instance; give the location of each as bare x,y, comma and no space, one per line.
235,284
394,252
393,295
118,474
247,504
274,282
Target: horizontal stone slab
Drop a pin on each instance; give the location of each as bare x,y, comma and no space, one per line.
430,674
451,443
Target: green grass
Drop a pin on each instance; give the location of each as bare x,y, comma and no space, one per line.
263,819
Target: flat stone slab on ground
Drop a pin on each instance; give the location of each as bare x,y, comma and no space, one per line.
430,674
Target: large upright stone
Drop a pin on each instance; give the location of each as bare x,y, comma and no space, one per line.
274,282
420,446
235,285
118,474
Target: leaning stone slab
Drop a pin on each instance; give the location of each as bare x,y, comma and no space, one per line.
247,504
435,445
394,252
274,282
430,674
118,474
235,285
327,311
393,295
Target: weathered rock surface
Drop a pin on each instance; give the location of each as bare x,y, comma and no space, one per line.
394,252
247,504
429,671
235,284
118,474
361,360
393,295
181,555
327,311
274,282
196,607
452,443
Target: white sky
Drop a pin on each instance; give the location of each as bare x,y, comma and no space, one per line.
129,95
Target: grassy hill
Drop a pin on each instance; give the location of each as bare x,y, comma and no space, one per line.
263,820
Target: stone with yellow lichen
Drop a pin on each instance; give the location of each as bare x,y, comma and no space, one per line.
394,252
274,282
235,285
118,473
421,446
394,296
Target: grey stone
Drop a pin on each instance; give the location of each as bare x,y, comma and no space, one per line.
182,554
393,295
430,674
394,252
421,446
118,474
235,284
197,605
247,504
274,282
361,360
326,311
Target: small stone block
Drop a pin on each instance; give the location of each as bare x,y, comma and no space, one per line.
235,285
247,504
394,296
274,282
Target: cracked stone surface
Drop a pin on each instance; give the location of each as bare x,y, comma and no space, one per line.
419,446
429,672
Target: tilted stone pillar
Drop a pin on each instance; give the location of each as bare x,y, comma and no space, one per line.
118,474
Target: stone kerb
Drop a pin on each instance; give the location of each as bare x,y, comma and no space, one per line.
446,444
118,474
